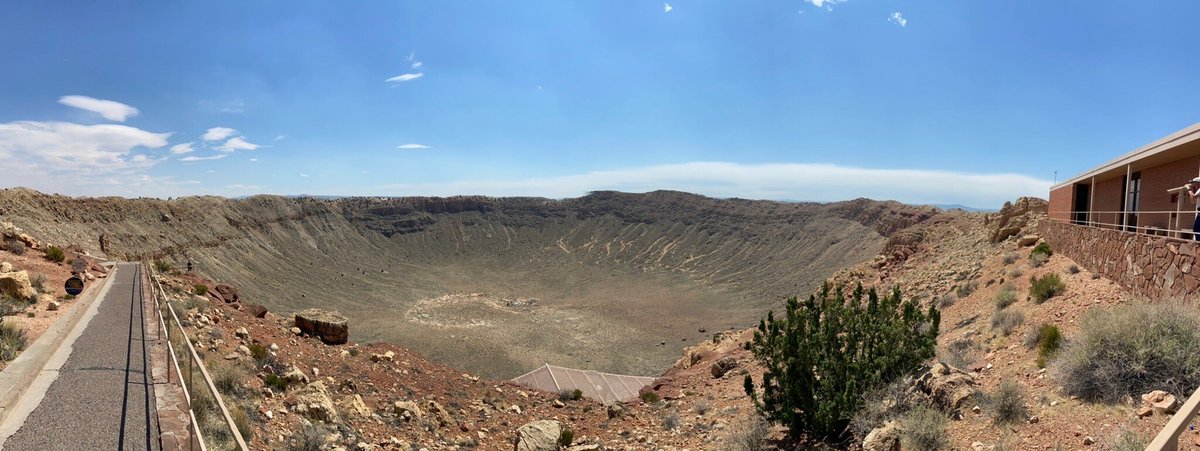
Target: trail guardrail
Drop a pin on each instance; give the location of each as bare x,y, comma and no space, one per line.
202,396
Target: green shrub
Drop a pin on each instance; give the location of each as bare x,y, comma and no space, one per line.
1131,349
162,266
276,383
229,380
1015,273
260,353
1005,321
946,300
15,246
1006,296
200,290
308,438
649,397
1046,287
966,289
12,341
1128,440
924,429
1042,248
1048,343
671,421
576,394
1008,403
55,254
824,353
961,353
242,422
566,437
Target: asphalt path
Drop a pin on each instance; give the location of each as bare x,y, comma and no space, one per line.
103,397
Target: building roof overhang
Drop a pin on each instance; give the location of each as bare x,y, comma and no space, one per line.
1157,150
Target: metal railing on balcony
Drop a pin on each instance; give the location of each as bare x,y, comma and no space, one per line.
210,423
1170,224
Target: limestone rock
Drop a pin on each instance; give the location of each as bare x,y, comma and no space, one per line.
256,310
355,407
948,387
441,414
16,284
407,410
8,230
313,402
332,327
241,332
541,435
1028,240
294,374
883,438
385,357
1160,401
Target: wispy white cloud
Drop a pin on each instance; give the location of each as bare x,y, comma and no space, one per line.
254,160
218,133
898,19
235,144
827,4
236,106
405,77
667,7
34,149
210,157
108,109
180,149
780,181
280,137
304,175
413,146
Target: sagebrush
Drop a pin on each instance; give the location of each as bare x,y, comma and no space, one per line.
924,429
825,352
1132,349
1046,287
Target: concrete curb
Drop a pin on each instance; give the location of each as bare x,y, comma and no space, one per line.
19,375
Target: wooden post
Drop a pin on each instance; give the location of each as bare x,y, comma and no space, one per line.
1125,208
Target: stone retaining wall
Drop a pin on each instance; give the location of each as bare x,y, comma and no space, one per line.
1151,266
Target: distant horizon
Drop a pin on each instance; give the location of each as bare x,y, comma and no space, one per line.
944,206
920,102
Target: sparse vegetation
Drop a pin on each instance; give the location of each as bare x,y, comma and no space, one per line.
242,422
275,382
883,404
15,246
1128,440
38,281
1010,258
1036,260
1006,321
671,421
961,353
747,435
966,289
946,300
1132,349
1016,272
11,306
162,266
566,437
924,429
12,341
308,438
812,384
649,397
1046,287
1006,296
228,379
1073,269
1042,248
259,353
701,408
1048,342
1008,403
55,254
200,290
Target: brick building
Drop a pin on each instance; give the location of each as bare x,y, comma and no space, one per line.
1130,220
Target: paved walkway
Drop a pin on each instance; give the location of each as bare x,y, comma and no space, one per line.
103,397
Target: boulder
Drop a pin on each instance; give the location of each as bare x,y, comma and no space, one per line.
256,310
385,357
1028,240
1160,401
52,306
722,366
441,414
541,435
407,410
16,284
354,406
8,230
883,438
332,327
225,292
313,402
948,387
294,375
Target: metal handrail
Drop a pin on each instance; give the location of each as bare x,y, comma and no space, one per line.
1168,439
194,361
156,290
1172,231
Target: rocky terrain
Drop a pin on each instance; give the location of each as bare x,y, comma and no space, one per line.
610,281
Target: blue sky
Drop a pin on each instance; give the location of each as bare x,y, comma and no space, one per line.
970,102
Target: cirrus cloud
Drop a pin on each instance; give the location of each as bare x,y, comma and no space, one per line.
237,143
411,146
218,133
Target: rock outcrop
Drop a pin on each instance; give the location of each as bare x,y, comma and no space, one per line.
224,293
1013,218
948,387
313,402
10,231
15,283
541,435
332,327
